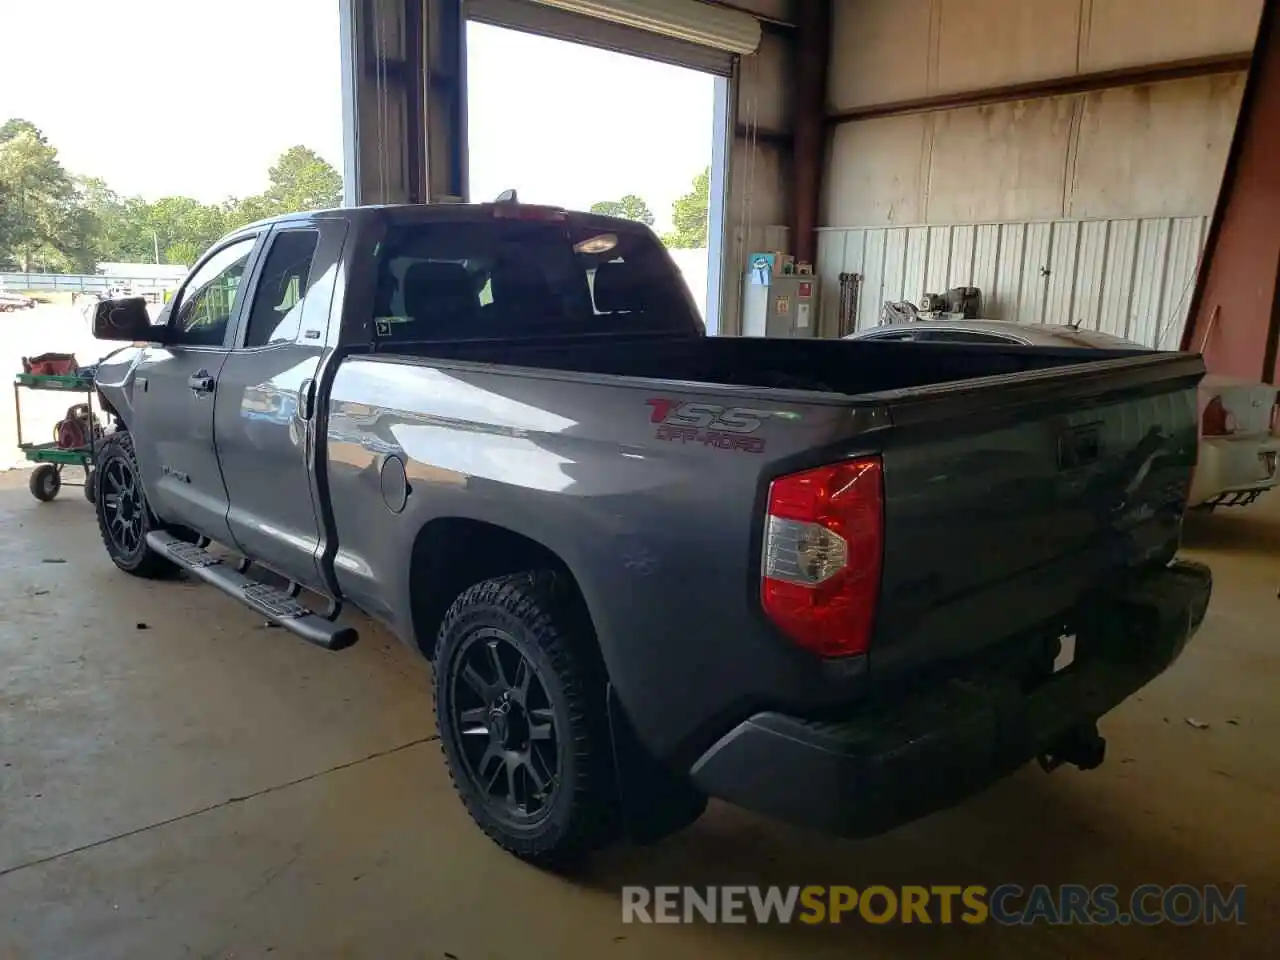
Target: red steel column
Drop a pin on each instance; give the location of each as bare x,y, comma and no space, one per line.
1234,319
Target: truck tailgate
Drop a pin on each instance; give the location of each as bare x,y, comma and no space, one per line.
1006,499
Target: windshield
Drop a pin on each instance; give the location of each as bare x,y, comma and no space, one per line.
506,278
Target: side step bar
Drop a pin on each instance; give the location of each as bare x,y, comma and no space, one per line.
274,604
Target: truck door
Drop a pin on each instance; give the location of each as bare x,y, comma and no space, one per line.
266,398
175,389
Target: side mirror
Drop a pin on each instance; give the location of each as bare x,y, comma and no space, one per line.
125,320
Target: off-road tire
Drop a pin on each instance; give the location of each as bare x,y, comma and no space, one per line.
140,561
545,621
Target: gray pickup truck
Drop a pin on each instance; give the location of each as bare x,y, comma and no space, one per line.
841,583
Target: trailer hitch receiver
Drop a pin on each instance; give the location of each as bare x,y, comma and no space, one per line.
1081,747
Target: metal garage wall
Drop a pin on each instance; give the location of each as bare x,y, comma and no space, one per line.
884,51
758,199
1098,197
1132,278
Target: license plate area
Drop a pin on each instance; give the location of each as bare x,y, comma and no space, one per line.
1268,459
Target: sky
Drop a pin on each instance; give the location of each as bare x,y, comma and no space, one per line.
177,97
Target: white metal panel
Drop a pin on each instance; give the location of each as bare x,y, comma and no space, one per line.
1186,244
1148,280
884,51
1155,150
1002,162
1095,238
873,288
895,265
1132,278
914,264
1117,278
1035,41
876,174
829,266
1007,290
881,51
1124,33
960,268
937,272
1034,283
986,253
1059,302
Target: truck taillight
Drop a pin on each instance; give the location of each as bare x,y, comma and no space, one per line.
823,541
1217,420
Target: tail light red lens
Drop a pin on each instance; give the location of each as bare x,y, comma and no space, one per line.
1217,421
824,539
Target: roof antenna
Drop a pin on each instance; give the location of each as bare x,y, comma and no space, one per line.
507,196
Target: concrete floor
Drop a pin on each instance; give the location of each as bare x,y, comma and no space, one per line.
179,781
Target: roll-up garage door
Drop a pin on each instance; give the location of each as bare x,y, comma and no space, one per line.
688,33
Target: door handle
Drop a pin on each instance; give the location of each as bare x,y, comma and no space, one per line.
200,382
306,399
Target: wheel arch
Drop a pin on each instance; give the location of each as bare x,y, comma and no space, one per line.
450,554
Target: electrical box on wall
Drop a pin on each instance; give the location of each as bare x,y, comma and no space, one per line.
777,304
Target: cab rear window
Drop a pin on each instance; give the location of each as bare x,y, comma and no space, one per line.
481,279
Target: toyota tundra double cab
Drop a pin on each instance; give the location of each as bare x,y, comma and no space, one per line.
841,583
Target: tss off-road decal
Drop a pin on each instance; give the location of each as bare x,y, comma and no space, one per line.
725,428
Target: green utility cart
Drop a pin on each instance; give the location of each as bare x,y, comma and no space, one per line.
73,442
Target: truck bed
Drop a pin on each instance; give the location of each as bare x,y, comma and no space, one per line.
847,367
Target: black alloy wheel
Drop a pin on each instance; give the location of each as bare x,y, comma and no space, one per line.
520,706
120,504
123,507
509,740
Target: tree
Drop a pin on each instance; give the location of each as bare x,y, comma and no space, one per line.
120,233
689,215
52,221
182,223
42,223
303,180
300,179
630,207
16,125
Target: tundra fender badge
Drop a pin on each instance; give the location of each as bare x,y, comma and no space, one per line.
395,485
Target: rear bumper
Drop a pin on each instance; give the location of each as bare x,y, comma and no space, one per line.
1231,466
895,762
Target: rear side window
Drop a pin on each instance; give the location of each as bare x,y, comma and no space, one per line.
519,278
277,304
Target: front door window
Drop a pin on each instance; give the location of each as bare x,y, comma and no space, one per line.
209,299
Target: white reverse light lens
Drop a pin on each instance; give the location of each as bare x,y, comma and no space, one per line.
804,553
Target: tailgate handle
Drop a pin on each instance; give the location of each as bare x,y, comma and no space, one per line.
1079,446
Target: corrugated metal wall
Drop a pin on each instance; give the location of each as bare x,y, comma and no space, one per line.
1128,277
